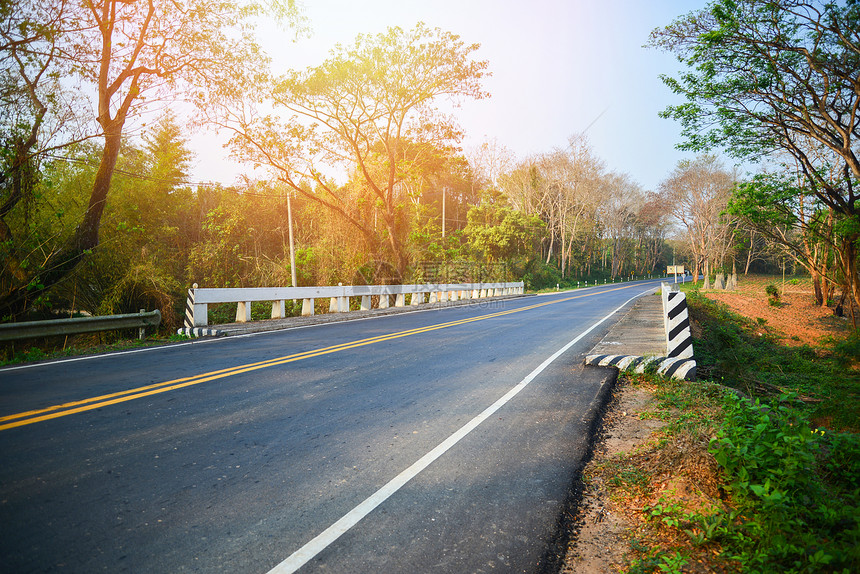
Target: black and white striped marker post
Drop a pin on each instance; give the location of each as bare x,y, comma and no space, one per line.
195,332
678,362
189,308
673,367
679,340
188,329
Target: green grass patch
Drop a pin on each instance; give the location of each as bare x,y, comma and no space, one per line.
47,353
790,487
743,354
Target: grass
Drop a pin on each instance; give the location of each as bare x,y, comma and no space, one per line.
86,346
733,351
774,489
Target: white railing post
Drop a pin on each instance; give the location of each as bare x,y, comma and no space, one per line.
243,311
307,307
279,309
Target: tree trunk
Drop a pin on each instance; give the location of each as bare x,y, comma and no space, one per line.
86,237
707,274
549,250
87,234
848,254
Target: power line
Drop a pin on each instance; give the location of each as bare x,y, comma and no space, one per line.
131,174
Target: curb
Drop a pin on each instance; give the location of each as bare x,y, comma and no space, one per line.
195,332
679,368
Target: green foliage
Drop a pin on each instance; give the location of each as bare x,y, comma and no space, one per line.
735,351
848,350
796,513
539,275
501,233
656,560
792,493
772,291
144,286
629,477
761,77
773,296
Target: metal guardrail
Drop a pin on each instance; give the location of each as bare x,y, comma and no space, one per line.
77,325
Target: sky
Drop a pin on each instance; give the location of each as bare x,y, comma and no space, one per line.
559,67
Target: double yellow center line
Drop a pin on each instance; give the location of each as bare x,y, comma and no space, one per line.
65,409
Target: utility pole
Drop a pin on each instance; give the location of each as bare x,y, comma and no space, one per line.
444,189
674,269
292,246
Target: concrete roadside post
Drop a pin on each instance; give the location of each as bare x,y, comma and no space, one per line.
679,340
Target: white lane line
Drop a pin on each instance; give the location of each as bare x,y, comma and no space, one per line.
307,552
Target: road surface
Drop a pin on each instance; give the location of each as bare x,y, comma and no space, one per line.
437,441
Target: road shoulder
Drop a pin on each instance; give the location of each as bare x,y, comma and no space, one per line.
600,534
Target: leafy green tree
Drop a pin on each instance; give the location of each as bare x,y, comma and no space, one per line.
779,208
370,110
500,233
129,54
146,227
768,76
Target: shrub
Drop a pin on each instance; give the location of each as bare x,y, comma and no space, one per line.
796,489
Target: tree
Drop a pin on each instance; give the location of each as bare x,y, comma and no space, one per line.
131,54
34,109
621,200
500,233
769,76
697,193
650,227
489,161
780,208
562,188
370,110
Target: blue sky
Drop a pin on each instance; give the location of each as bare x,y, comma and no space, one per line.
557,66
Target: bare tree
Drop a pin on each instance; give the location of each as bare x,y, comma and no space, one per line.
621,199
697,192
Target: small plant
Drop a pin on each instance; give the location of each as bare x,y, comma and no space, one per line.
672,563
773,297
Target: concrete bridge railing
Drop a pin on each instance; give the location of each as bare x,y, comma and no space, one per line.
199,299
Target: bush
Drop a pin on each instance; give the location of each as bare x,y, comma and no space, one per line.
773,295
795,489
539,275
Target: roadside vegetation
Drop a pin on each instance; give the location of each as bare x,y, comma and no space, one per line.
356,172
757,468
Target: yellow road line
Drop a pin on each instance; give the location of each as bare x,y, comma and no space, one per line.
65,409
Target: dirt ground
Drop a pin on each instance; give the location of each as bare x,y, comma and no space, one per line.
606,523
799,319
603,527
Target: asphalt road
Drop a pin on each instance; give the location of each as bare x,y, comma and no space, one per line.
437,441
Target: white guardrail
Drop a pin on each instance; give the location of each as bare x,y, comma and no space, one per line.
196,307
